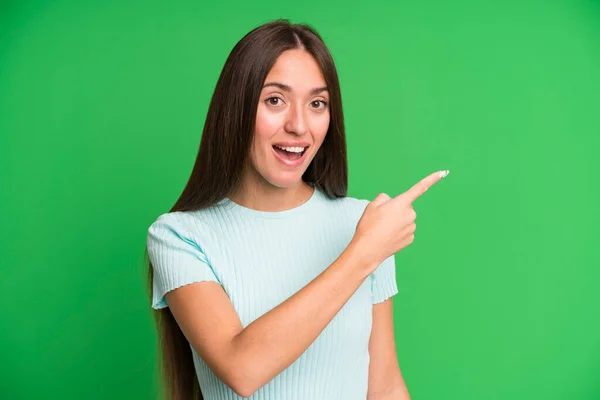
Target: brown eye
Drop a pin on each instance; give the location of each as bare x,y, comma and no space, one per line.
273,101
317,102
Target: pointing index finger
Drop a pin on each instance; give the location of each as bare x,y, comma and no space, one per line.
421,187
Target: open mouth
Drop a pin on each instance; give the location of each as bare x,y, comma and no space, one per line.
290,154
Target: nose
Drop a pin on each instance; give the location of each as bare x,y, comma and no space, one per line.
295,120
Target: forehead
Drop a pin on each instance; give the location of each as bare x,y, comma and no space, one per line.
297,68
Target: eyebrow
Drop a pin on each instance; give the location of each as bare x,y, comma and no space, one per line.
289,89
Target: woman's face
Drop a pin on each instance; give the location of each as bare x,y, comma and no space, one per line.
293,112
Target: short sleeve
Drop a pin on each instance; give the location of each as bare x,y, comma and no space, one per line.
177,259
383,280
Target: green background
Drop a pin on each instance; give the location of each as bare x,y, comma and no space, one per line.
101,111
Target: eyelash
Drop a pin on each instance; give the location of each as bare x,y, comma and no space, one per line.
325,102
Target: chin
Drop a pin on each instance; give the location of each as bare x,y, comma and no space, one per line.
285,182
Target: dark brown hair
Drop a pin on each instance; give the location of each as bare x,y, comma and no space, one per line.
225,148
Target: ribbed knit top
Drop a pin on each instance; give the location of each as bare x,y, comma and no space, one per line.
262,258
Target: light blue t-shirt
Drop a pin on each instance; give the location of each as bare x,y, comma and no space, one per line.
262,258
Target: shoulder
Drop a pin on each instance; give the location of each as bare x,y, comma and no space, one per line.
173,220
352,205
184,224
343,209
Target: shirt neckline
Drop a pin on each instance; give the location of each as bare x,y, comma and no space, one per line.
230,205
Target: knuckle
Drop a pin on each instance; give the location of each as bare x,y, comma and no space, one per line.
412,214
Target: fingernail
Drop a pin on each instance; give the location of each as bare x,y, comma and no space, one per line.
444,173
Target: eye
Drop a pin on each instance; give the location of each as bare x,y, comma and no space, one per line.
273,101
316,102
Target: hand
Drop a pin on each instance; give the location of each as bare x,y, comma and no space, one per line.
387,224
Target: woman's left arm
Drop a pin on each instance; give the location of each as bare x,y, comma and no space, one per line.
385,379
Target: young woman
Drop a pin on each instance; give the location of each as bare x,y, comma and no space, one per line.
267,280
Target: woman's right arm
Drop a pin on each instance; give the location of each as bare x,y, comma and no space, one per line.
245,359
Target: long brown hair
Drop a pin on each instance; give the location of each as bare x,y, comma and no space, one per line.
225,148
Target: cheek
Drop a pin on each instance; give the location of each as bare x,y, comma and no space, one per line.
265,128
320,127
267,123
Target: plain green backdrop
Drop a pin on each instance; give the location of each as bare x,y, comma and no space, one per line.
101,110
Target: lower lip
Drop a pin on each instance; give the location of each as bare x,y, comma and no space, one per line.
290,163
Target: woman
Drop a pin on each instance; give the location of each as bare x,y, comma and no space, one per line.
267,280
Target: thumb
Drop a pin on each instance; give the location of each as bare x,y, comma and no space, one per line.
380,199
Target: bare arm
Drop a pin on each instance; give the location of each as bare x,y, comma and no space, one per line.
385,379
246,359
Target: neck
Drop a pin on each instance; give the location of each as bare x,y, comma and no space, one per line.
271,198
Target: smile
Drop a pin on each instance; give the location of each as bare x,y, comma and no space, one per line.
291,158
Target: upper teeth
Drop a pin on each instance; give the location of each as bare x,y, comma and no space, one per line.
292,149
